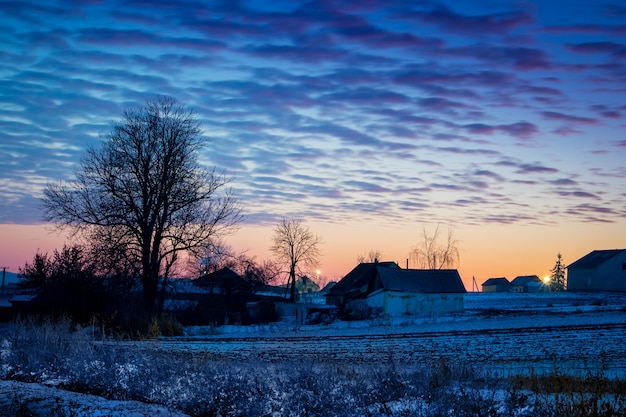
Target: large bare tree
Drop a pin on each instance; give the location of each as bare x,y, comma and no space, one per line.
296,247
433,252
143,193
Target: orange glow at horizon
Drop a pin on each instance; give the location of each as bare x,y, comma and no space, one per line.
485,251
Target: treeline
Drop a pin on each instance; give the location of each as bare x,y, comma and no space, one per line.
79,283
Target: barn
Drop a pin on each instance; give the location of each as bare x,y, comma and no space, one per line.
599,270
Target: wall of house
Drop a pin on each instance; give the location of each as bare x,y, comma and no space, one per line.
496,288
609,276
400,303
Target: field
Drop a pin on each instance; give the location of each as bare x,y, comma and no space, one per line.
508,354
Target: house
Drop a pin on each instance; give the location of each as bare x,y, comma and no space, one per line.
599,270
528,283
306,285
416,291
385,288
496,285
224,281
356,282
216,298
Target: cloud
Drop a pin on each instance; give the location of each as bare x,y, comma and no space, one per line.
497,23
617,50
563,182
535,169
552,115
330,108
520,58
579,194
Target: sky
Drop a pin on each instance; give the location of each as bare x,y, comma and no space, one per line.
371,121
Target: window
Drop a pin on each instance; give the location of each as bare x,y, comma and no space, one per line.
623,266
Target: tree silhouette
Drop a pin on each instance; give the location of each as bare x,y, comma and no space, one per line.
295,246
557,279
434,253
143,192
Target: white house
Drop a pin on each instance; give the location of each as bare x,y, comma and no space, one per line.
397,292
599,270
384,288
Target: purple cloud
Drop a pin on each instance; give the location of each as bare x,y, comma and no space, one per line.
617,50
535,169
552,115
481,24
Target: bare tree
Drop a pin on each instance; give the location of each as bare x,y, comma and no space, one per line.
433,253
372,256
217,255
296,247
144,193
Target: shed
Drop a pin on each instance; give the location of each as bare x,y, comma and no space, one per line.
496,285
599,270
528,283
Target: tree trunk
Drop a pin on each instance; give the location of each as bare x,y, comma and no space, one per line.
292,278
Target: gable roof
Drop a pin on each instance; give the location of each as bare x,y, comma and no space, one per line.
496,281
223,278
595,258
420,280
525,280
360,277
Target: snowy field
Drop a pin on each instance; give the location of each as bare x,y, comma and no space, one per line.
499,334
572,332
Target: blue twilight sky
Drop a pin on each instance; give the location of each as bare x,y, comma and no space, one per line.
465,113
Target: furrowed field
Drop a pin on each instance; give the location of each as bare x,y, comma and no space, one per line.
507,355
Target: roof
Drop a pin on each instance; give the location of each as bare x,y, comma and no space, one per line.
224,278
525,280
595,258
359,278
421,280
496,281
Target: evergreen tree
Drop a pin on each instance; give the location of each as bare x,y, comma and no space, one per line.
557,279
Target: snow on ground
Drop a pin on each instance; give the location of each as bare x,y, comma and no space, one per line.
579,333
20,398
483,311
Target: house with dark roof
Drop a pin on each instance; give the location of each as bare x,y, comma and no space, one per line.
356,282
528,283
496,285
224,281
385,288
599,270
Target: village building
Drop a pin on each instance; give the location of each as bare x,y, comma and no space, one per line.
599,270
384,288
496,285
528,283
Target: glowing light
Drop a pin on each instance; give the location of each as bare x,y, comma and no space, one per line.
546,280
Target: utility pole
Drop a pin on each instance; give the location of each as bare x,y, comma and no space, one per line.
4,270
